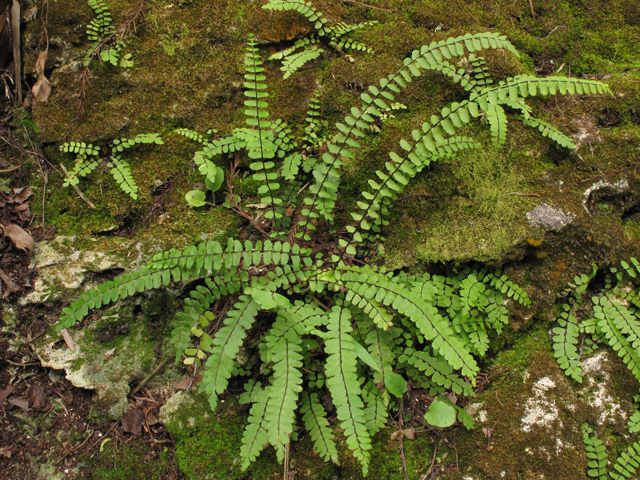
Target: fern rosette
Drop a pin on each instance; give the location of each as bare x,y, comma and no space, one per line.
330,326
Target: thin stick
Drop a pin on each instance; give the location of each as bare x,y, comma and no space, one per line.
141,384
45,177
75,187
433,460
286,460
7,170
17,61
533,14
78,447
369,6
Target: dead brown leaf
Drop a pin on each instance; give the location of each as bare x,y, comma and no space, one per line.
152,420
20,238
20,195
184,384
11,286
409,433
42,88
5,452
37,399
4,394
132,421
21,402
71,345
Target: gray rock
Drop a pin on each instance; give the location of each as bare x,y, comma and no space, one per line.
547,216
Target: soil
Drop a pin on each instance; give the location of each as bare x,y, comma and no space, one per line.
19,445
29,392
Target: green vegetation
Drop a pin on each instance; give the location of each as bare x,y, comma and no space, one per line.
337,324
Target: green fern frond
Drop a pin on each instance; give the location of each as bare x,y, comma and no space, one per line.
315,421
79,148
627,463
550,131
375,410
227,343
480,72
611,325
324,191
565,341
259,140
101,26
380,344
255,436
342,381
634,422
284,348
83,167
596,453
438,371
296,61
305,8
121,172
498,123
190,134
341,29
426,317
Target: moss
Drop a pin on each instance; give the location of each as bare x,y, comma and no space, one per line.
208,444
132,460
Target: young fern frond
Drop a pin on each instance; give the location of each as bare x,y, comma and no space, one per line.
99,27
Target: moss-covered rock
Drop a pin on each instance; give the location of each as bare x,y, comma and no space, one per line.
529,420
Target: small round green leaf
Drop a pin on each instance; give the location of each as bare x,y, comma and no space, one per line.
395,384
440,414
195,198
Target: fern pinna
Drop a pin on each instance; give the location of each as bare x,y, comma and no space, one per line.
335,325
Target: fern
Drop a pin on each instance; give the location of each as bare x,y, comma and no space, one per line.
343,385
315,421
625,466
565,341
100,30
331,35
100,26
87,160
325,325
596,453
